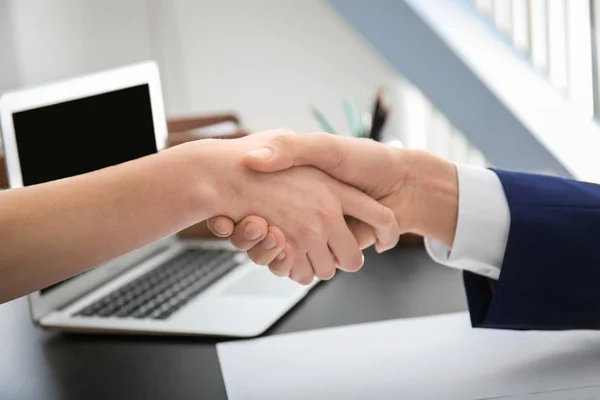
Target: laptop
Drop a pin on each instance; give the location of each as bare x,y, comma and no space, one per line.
167,287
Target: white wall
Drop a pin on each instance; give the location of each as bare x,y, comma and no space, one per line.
61,38
270,59
266,59
8,65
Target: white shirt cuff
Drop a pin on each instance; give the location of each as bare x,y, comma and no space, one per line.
482,227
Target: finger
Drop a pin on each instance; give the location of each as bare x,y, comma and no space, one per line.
285,150
249,232
345,248
328,153
221,226
282,264
268,250
302,271
362,207
363,233
322,262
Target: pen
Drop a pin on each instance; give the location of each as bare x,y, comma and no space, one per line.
353,119
375,112
380,114
322,120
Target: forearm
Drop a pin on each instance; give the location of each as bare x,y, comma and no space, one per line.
53,231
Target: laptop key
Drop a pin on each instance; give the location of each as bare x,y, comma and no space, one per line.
167,288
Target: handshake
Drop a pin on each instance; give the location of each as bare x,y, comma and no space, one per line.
305,205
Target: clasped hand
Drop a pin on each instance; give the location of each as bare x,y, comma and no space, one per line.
323,219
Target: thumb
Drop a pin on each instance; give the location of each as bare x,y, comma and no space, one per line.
286,150
268,159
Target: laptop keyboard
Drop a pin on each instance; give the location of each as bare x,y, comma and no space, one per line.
162,291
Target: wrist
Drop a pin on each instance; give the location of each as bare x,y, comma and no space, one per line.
432,183
192,174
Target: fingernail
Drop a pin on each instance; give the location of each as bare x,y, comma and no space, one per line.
221,231
251,232
261,154
270,242
281,255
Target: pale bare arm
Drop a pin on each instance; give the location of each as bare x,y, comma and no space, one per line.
56,230
53,231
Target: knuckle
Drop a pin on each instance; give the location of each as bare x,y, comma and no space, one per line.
325,214
254,219
330,144
313,234
283,139
386,216
298,242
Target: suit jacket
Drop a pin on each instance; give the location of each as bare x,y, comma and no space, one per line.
550,278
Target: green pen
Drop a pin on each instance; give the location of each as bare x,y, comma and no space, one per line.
353,120
322,120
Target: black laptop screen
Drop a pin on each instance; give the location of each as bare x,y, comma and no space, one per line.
84,135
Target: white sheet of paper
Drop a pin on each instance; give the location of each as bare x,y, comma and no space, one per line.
438,357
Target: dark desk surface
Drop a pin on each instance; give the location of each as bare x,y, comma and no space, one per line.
44,365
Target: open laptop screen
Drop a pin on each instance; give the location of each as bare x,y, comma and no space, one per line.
84,135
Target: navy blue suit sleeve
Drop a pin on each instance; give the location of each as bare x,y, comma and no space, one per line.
550,278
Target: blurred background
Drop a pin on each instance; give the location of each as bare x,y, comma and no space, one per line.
276,63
